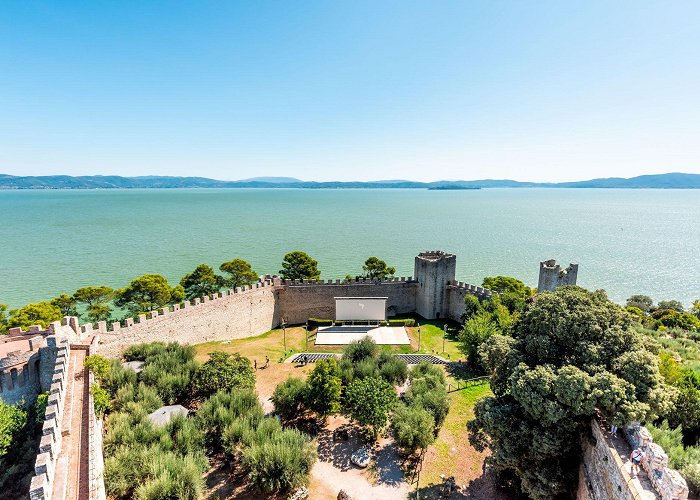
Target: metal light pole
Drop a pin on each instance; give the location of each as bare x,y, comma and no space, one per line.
284,333
306,336
419,337
444,334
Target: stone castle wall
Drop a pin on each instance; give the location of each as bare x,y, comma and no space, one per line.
455,293
552,275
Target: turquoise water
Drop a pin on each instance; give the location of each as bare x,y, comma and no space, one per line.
625,241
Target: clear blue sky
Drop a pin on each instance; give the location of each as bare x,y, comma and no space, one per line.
355,90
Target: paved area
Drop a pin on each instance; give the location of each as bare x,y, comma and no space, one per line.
71,480
382,335
641,481
414,359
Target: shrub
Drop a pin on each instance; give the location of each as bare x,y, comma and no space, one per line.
685,459
392,369
224,372
223,408
316,322
146,396
427,391
12,421
169,368
281,462
324,388
402,322
117,377
476,331
172,476
366,367
413,428
100,399
358,350
42,401
98,365
289,397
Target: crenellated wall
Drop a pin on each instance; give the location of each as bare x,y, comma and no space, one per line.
455,293
50,445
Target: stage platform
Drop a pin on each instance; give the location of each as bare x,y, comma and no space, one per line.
340,335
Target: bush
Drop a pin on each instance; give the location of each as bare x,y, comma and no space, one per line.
172,476
364,368
413,428
169,368
358,350
118,377
289,397
316,322
12,421
281,462
42,401
98,365
224,372
100,399
392,369
223,408
427,391
685,459
402,322
145,396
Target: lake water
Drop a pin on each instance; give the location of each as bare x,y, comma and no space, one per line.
625,241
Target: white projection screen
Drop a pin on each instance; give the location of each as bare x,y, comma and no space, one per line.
360,308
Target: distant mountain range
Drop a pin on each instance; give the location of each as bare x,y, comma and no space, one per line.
659,181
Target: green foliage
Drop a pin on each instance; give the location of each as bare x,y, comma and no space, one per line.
289,397
98,365
42,401
118,377
100,399
402,322
147,293
316,322
142,395
39,313
696,309
392,369
240,273
573,356
95,299
224,372
12,422
66,304
369,402
357,350
671,304
477,329
280,462
3,319
641,302
413,428
428,391
685,459
224,408
472,306
169,368
202,281
299,266
375,268
687,405
324,388
513,292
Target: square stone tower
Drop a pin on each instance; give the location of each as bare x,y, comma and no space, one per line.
553,276
433,271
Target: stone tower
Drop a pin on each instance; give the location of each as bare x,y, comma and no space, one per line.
434,270
553,276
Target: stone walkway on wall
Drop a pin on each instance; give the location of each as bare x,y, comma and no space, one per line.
642,482
71,481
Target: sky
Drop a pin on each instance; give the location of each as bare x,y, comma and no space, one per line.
356,90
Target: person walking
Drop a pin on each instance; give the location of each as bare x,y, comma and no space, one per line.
636,456
255,364
267,361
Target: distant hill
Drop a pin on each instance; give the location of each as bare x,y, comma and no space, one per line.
659,181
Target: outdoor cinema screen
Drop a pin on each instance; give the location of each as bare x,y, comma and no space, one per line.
360,308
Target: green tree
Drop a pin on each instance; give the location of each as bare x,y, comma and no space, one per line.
100,399
324,388
696,309
147,293
574,355
642,302
475,332
299,266
513,292
200,282
375,268
413,428
240,273
472,305
66,304
687,405
3,318
39,313
12,422
224,372
370,401
671,304
95,299
358,350
289,397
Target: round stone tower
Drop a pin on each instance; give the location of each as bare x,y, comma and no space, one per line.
433,271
